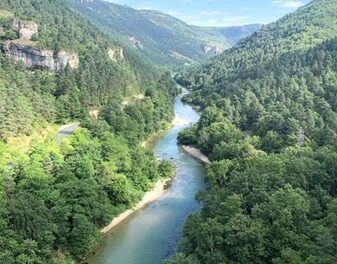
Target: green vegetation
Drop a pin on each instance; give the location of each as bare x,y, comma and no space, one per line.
296,32
162,39
232,34
29,99
149,33
269,127
139,120
54,199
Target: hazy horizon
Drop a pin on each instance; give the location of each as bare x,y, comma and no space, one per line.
220,13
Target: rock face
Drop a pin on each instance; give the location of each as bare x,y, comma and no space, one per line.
36,58
64,58
211,49
16,24
25,50
116,54
27,30
136,43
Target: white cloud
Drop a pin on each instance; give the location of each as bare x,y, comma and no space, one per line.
288,3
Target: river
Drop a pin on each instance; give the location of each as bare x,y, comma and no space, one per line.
151,234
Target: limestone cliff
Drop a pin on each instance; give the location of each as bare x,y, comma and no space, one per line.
26,50
212,49
36,58
25,29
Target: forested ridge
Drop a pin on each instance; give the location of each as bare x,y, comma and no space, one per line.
71,93
159,37
269,127
162,39
298,31
54,199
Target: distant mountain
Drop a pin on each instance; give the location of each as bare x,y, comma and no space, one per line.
49,37
57,68
269,127
232,34
159,37
306,28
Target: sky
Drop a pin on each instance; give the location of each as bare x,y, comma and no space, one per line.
219,12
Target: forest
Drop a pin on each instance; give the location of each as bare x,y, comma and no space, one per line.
268,124
54,199
269,127
74,90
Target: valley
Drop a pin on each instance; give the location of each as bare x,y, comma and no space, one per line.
130,136
159,37
151,233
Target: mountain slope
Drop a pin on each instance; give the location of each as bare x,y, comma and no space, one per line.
309,26
269,127
161,38
232,34
168,42
57,68
99,69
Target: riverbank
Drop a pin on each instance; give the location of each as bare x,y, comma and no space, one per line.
149,197
151,234
157,191
196,154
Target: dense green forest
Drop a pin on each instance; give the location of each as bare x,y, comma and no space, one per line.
55,198
159,37
233,34
162,39
71,93
269,125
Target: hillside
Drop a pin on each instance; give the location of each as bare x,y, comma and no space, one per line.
295,32
57,68
269,127
159,37
47,41
232,34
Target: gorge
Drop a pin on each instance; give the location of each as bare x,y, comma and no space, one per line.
151,234
84,83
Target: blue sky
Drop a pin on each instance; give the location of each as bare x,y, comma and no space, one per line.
219,12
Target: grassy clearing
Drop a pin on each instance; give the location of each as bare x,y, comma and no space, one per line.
23,142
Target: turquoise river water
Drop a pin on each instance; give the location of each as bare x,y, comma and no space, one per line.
151,234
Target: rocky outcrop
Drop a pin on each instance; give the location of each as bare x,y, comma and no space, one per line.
116,54
67,58
36,58
94,113
15,24
136,43
25,29
212,49
26,50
